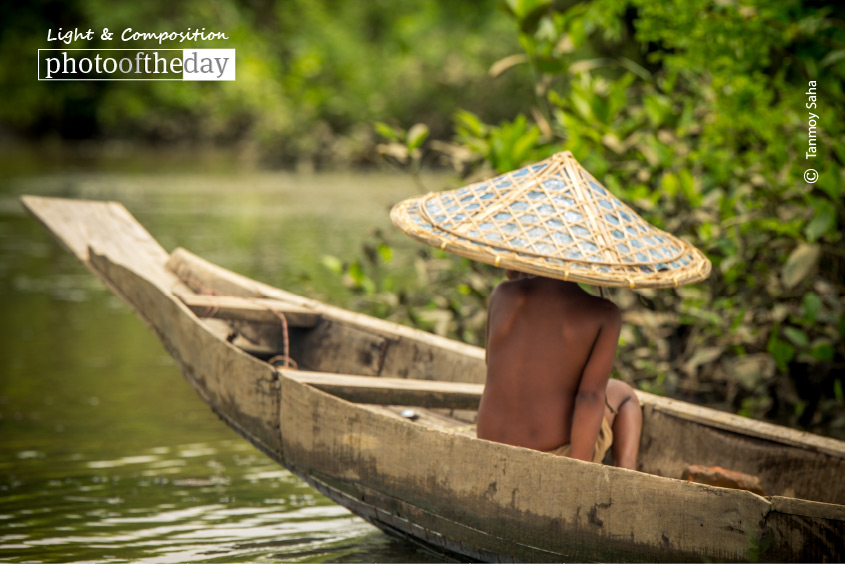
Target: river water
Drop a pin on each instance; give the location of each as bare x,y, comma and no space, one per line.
107,454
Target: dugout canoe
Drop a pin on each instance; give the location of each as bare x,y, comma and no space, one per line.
338,423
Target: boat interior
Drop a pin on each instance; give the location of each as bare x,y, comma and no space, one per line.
436,383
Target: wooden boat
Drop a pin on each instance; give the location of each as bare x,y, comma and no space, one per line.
338,423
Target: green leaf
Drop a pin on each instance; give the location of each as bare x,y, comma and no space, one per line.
550,65
823,221
386,252
416,136
357,273
582,106
688,188
617,98
471,123
333,264
812,306
801,262
823,351
578,31
556,99
798,337
832,57
832,184
687,182
599,108
524,144
528,13
670,184
654,109
386,131
781,351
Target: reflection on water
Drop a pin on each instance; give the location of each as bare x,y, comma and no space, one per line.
192,502
107,455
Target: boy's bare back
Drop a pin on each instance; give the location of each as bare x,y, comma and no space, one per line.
550,349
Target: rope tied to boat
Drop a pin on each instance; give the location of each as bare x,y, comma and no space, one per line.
210,310
285,357
196,285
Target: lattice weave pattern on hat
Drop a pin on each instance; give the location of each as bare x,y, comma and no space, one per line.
554,219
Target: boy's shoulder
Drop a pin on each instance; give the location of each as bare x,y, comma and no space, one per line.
506,288
603,307
514,290
607,314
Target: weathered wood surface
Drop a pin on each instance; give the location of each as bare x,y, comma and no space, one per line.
472,497
392,391
744,425
80,225
408,353
105,226
521,503
238,387
676,434
256,310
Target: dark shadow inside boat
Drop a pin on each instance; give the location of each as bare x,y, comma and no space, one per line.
265,341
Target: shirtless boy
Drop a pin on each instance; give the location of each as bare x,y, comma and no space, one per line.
550,349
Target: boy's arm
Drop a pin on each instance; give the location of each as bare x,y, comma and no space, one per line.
487,328
589,400
494,297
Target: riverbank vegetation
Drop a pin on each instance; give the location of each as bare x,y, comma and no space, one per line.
698,114
705,115
312,75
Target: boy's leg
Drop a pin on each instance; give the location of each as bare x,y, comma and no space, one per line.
626,420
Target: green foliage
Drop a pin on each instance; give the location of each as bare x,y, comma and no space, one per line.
403,148
404,294
697,114
504,147
311,74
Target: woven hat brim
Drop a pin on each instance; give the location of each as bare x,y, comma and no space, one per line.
691,266
552,218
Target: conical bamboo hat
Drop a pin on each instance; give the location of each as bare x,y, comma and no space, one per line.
552,219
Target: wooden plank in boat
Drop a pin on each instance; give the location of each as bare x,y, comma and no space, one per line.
406,352
392,391
258,310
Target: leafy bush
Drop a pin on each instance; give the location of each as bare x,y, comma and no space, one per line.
698,114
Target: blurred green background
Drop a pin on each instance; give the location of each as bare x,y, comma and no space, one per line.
312,76
695,112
